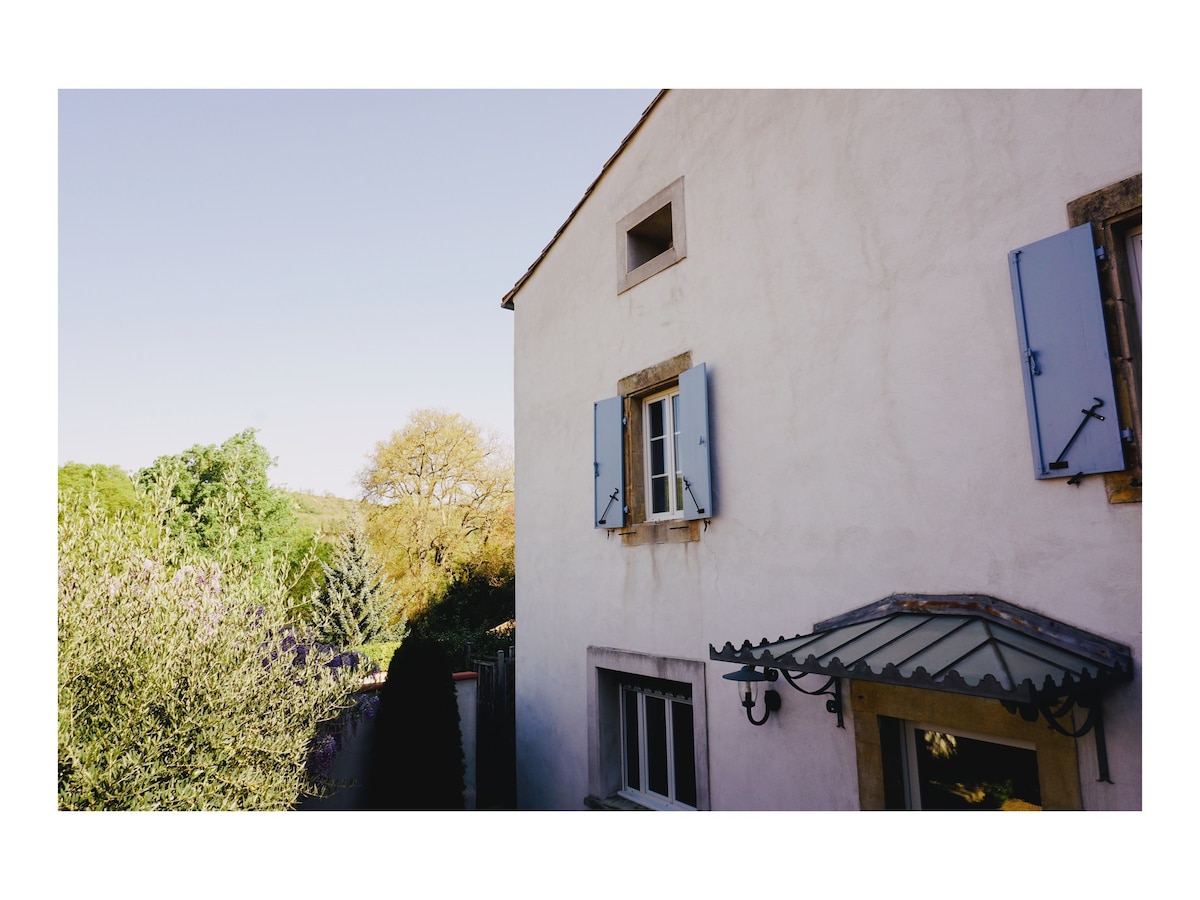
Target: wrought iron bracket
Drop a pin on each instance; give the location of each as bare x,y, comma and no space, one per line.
832,688
1093,723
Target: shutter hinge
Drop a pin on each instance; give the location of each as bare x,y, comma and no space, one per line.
1127,435
1100,253
1031,360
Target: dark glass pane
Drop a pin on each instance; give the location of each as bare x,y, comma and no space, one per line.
685,753
891,748
658,495
658,458
656,744
656,419
963,773
633,777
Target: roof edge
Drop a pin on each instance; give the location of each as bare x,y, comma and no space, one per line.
507,301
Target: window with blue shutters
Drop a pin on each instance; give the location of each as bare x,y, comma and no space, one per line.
660,425
1067,370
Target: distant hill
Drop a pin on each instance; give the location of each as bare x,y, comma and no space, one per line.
327,514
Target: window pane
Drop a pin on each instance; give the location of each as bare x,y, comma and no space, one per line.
658,495
656,411
656,744
675,451
633,778
962,773
685,753
657,448
658,458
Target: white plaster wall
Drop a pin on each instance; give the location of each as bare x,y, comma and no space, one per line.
847,285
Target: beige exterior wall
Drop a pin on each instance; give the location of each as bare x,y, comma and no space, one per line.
846,283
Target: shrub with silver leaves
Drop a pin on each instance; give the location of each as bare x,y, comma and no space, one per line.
180,684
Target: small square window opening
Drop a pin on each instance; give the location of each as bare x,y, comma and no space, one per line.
649,238
652,237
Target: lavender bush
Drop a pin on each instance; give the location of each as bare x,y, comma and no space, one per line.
180,683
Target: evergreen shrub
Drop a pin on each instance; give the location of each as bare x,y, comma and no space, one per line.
417,760
357,604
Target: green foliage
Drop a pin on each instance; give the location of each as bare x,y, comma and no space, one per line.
357,604
322,514
180,684
112,486
440,507
321,519
473,614
379,653
222,499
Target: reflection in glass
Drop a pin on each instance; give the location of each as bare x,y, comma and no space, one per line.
956,772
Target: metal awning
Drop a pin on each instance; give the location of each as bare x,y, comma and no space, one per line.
961,643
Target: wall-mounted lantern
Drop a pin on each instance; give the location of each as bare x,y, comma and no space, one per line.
748,679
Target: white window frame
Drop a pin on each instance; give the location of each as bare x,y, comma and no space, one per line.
645,796
912,776
609,668
670,401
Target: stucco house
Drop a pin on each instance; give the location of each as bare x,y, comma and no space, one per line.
828,436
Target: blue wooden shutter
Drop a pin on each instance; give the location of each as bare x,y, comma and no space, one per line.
1065,359
609,464
694,443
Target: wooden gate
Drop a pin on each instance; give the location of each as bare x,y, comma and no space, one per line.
495,760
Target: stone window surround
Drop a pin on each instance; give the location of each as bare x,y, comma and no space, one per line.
1058,766
672,194
605,666
633,389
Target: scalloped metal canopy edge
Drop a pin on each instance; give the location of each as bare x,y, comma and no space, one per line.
961,643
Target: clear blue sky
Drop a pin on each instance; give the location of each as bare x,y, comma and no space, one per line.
314,264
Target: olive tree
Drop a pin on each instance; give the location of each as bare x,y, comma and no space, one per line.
181,683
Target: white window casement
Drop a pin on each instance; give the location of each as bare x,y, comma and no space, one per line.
658,762
664,478
647,727
652,237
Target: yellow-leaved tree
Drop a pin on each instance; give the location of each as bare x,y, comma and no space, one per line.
439,498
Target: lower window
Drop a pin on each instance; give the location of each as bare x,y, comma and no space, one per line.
647,727
657,745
